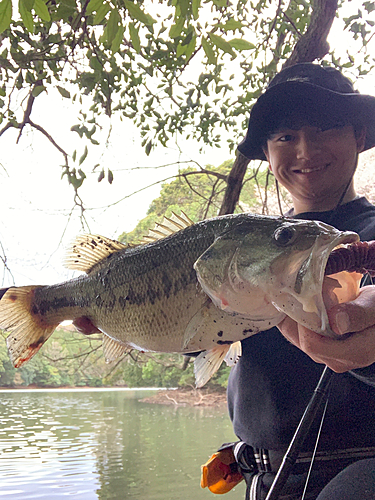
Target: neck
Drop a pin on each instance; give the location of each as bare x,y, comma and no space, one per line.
323,205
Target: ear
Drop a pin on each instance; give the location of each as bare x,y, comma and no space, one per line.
265,151
361,140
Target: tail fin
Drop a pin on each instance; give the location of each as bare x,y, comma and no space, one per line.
28,331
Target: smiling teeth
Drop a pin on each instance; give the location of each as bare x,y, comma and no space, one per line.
308,170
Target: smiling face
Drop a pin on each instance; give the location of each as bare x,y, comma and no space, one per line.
315,165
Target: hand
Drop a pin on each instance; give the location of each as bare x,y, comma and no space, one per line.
353,351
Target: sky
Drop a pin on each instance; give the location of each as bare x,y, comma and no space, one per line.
37,223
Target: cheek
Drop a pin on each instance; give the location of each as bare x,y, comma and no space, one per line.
345,152
278,164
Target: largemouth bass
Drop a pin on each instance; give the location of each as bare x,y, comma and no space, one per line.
147,297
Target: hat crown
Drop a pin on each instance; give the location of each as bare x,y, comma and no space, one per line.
313,74
307,93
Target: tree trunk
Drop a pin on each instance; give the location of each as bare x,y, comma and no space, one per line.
234,184
312,45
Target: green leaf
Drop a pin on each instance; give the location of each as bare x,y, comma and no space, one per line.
101,175
5,14
95,64
63,91
41,10
190,47
221,44
137,14
220,3
24,8
232,25
369,6
112,25
183,5
134,37
66,9
148,147
180,50
240,44
176,29
93,6
195,8
116,44
211,58
38,90
101,13
84,156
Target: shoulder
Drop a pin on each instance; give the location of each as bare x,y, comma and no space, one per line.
358,216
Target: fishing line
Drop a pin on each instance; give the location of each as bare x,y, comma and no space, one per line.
279,197
315,448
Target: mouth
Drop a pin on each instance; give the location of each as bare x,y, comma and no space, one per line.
311,170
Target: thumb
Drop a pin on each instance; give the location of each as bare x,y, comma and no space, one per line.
356,315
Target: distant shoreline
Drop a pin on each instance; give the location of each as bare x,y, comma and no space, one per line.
77,389
164,396
189,397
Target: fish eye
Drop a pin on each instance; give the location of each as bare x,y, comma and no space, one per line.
284,235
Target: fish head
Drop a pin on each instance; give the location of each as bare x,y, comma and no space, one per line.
268,265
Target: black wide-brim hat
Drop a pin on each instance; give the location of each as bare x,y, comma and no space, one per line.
307,94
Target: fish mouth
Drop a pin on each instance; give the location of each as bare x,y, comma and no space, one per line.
309,281
320,255
341,241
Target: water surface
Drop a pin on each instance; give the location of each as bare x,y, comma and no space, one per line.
105,444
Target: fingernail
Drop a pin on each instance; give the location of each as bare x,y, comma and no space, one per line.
342,322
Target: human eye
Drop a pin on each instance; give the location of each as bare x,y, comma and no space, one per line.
285,138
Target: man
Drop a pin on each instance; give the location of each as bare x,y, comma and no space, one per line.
310,125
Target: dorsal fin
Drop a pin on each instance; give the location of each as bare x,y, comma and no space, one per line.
90,249
170,225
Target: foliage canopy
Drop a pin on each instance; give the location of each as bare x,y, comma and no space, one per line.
172,67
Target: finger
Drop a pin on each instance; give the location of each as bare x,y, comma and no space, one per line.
355,351
356,315
289,328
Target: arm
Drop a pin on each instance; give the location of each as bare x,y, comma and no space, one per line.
355,351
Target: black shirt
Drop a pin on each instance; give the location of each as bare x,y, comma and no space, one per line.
270,386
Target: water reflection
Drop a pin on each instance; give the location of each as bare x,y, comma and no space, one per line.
105,445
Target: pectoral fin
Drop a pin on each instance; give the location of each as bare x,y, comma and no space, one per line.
212,326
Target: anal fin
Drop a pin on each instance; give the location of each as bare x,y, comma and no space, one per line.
113,349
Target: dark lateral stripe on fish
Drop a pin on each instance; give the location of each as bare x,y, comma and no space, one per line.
44,306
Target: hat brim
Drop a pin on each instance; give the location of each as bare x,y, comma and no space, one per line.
279,104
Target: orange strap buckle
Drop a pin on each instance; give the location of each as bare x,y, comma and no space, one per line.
220,473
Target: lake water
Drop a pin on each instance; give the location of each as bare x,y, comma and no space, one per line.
105,444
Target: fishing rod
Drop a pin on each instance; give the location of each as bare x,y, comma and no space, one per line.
317,399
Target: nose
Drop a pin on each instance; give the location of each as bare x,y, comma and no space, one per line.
307,144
